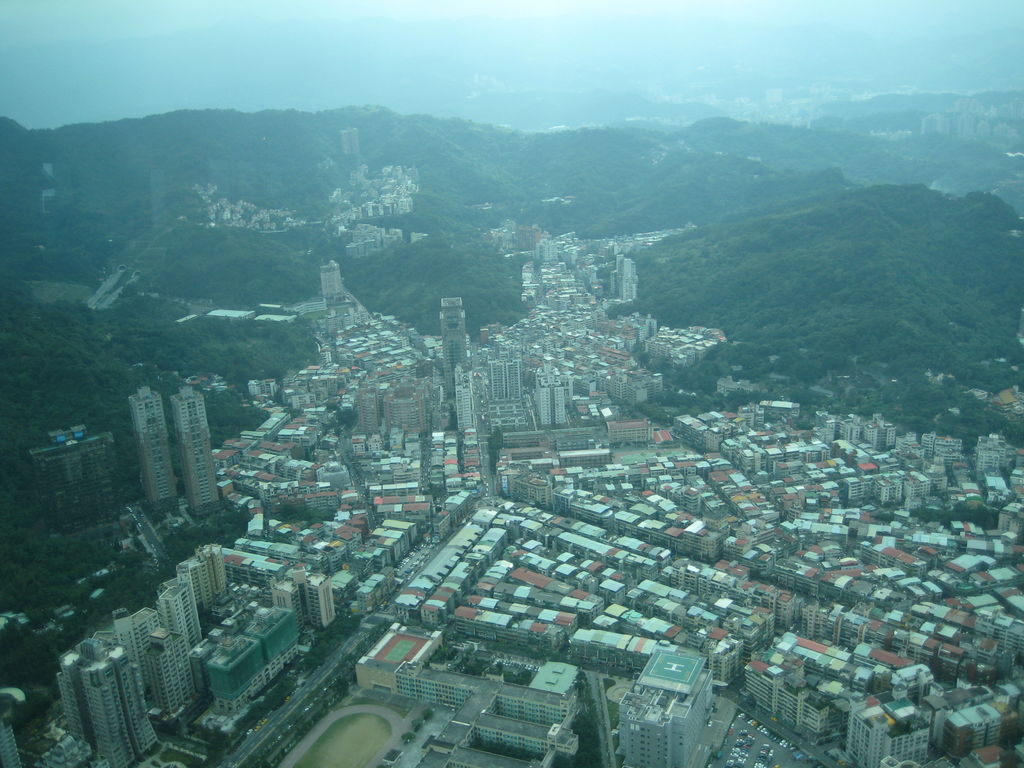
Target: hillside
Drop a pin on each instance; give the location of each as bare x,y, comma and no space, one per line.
68,365
896,275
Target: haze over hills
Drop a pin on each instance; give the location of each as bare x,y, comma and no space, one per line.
528,73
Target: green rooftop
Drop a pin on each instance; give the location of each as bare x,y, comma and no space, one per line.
554,676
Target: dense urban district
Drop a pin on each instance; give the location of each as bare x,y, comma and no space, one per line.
483,550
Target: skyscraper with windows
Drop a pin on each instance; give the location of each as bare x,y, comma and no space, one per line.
189,412
102,693
453,341
155,469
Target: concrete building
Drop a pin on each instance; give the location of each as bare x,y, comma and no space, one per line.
882,727
506,379
331,287
662,716
189,411
156,471
308,595
75,473
465,405
205,574
176,608
167,672
550,396
102,693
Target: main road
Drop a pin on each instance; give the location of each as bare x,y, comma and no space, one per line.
263,742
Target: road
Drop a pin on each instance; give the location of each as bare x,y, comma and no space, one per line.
265,742
150,539
604,727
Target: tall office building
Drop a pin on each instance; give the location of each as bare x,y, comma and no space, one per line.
102,693
155,468
550,396
663,715
205,574
331,287
453,341
506,379
176,609
9,757
465,407
75,474
189,411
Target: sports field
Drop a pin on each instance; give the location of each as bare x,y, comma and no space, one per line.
349,743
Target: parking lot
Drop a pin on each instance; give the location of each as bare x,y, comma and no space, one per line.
749,744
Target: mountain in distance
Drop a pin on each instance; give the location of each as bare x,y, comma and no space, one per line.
951,164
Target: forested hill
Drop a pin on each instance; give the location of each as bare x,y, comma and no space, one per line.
898,275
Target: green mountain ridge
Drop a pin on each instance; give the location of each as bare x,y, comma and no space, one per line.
897,275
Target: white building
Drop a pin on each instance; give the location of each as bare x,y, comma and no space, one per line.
663,715
102,693
890,729
550,396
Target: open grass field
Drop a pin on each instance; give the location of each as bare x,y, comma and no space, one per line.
349,743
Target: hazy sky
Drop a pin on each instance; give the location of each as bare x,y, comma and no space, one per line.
40,21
